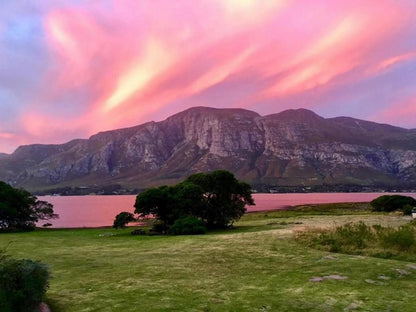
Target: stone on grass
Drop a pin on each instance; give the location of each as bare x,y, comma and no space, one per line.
336,277
370,281
333,277
402,272
353,306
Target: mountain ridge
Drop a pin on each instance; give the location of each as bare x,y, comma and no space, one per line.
288,149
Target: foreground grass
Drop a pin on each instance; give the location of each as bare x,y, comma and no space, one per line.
255,267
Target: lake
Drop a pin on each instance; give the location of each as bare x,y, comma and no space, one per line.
97,211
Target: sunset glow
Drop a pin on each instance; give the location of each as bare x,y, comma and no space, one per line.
70,69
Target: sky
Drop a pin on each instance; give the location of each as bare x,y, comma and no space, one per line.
72,68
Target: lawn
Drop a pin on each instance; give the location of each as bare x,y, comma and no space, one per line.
257,266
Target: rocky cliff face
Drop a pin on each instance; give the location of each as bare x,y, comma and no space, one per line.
294,147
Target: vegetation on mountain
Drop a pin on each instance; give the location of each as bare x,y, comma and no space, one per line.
390,203
217,198
20,210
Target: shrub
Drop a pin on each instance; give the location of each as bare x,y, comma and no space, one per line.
350,235
390,203
407,209
359,238
122,219
188,225
402,238
158,227
23,284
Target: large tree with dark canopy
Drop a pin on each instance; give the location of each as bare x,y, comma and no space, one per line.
20,210
225,197
217,198
169,203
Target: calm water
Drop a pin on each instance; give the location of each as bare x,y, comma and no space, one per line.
96,211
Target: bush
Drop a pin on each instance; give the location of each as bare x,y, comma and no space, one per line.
188,225
23,284
122,219
359,238
390,203
402,238
407,209
158,227
353,235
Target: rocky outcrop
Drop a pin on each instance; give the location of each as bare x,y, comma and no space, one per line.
294,147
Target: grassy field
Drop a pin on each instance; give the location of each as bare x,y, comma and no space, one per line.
258,266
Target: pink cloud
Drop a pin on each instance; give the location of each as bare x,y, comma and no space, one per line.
403,112
129,61
7,135
387,63
347,44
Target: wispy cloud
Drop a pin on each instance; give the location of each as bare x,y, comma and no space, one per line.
72,68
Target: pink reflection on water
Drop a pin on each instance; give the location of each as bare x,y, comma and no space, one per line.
97,211
88,211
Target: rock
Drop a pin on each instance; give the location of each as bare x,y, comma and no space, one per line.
333,277
383,277
330,257
411,266
316,279
336,277
353,306
370,281
402,272
43,307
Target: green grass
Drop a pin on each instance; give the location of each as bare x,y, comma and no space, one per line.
257,266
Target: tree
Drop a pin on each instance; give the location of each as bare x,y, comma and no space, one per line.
168,203
216,198
393,202
122,219
156,202
225,197
187,199
20,210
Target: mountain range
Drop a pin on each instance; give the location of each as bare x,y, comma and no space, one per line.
290,150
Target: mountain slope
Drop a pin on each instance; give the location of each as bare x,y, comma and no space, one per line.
294,147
